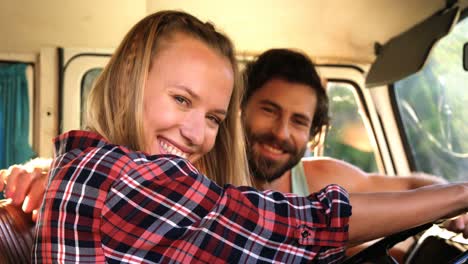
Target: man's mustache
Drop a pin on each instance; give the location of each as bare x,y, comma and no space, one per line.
271,139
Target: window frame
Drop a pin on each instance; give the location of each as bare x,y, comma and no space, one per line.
355,76
75,64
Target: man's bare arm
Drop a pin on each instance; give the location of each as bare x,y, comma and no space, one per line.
324,171
380,214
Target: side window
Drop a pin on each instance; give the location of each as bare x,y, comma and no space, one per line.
348,138
80,71
431,105
16,112
88,81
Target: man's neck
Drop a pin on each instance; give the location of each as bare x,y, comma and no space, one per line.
282,184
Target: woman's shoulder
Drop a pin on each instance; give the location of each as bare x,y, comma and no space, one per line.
90,149
80,144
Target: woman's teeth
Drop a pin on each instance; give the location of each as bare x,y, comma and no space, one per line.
169,149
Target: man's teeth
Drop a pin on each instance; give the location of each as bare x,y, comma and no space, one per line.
172,150
273,149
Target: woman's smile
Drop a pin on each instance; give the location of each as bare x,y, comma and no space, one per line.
167,148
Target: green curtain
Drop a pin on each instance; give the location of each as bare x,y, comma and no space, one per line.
14,115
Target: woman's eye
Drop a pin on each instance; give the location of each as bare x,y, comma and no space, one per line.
215,120
181,100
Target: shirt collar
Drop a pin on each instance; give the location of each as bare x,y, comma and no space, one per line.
78,139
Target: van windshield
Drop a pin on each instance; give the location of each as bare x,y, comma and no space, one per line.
431,105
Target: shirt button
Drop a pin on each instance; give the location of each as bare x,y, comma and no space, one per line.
305,234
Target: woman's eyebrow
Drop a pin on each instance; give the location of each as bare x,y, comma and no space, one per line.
187,90
197,97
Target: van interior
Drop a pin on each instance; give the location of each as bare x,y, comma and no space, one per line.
396,74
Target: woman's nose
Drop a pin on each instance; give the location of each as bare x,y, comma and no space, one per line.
193,128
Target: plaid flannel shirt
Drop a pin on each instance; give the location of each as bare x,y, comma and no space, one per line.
106,203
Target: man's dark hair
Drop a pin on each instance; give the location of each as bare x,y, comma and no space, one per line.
291,66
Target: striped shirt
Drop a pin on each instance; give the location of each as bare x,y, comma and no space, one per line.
106,203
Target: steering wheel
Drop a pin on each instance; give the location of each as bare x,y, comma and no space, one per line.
461,259
378,252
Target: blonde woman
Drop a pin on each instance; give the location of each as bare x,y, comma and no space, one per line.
126,190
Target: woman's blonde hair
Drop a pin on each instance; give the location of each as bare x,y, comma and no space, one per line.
115,104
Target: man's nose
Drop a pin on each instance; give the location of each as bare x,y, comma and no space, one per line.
193,128
281,129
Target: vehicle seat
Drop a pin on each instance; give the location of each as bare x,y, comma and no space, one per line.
16,234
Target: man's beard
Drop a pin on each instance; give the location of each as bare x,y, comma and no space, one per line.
265,169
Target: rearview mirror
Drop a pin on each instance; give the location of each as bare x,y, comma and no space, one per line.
465,56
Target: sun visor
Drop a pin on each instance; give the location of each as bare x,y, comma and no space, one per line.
406,53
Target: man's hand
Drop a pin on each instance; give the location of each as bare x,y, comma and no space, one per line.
458,225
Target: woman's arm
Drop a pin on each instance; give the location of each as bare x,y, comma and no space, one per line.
107,202
25,184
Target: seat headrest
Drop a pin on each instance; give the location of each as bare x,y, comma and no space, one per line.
16,234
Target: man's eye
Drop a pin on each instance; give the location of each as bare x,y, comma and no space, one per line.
301,122
268,110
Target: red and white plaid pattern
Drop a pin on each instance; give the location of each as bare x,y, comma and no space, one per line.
106,203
